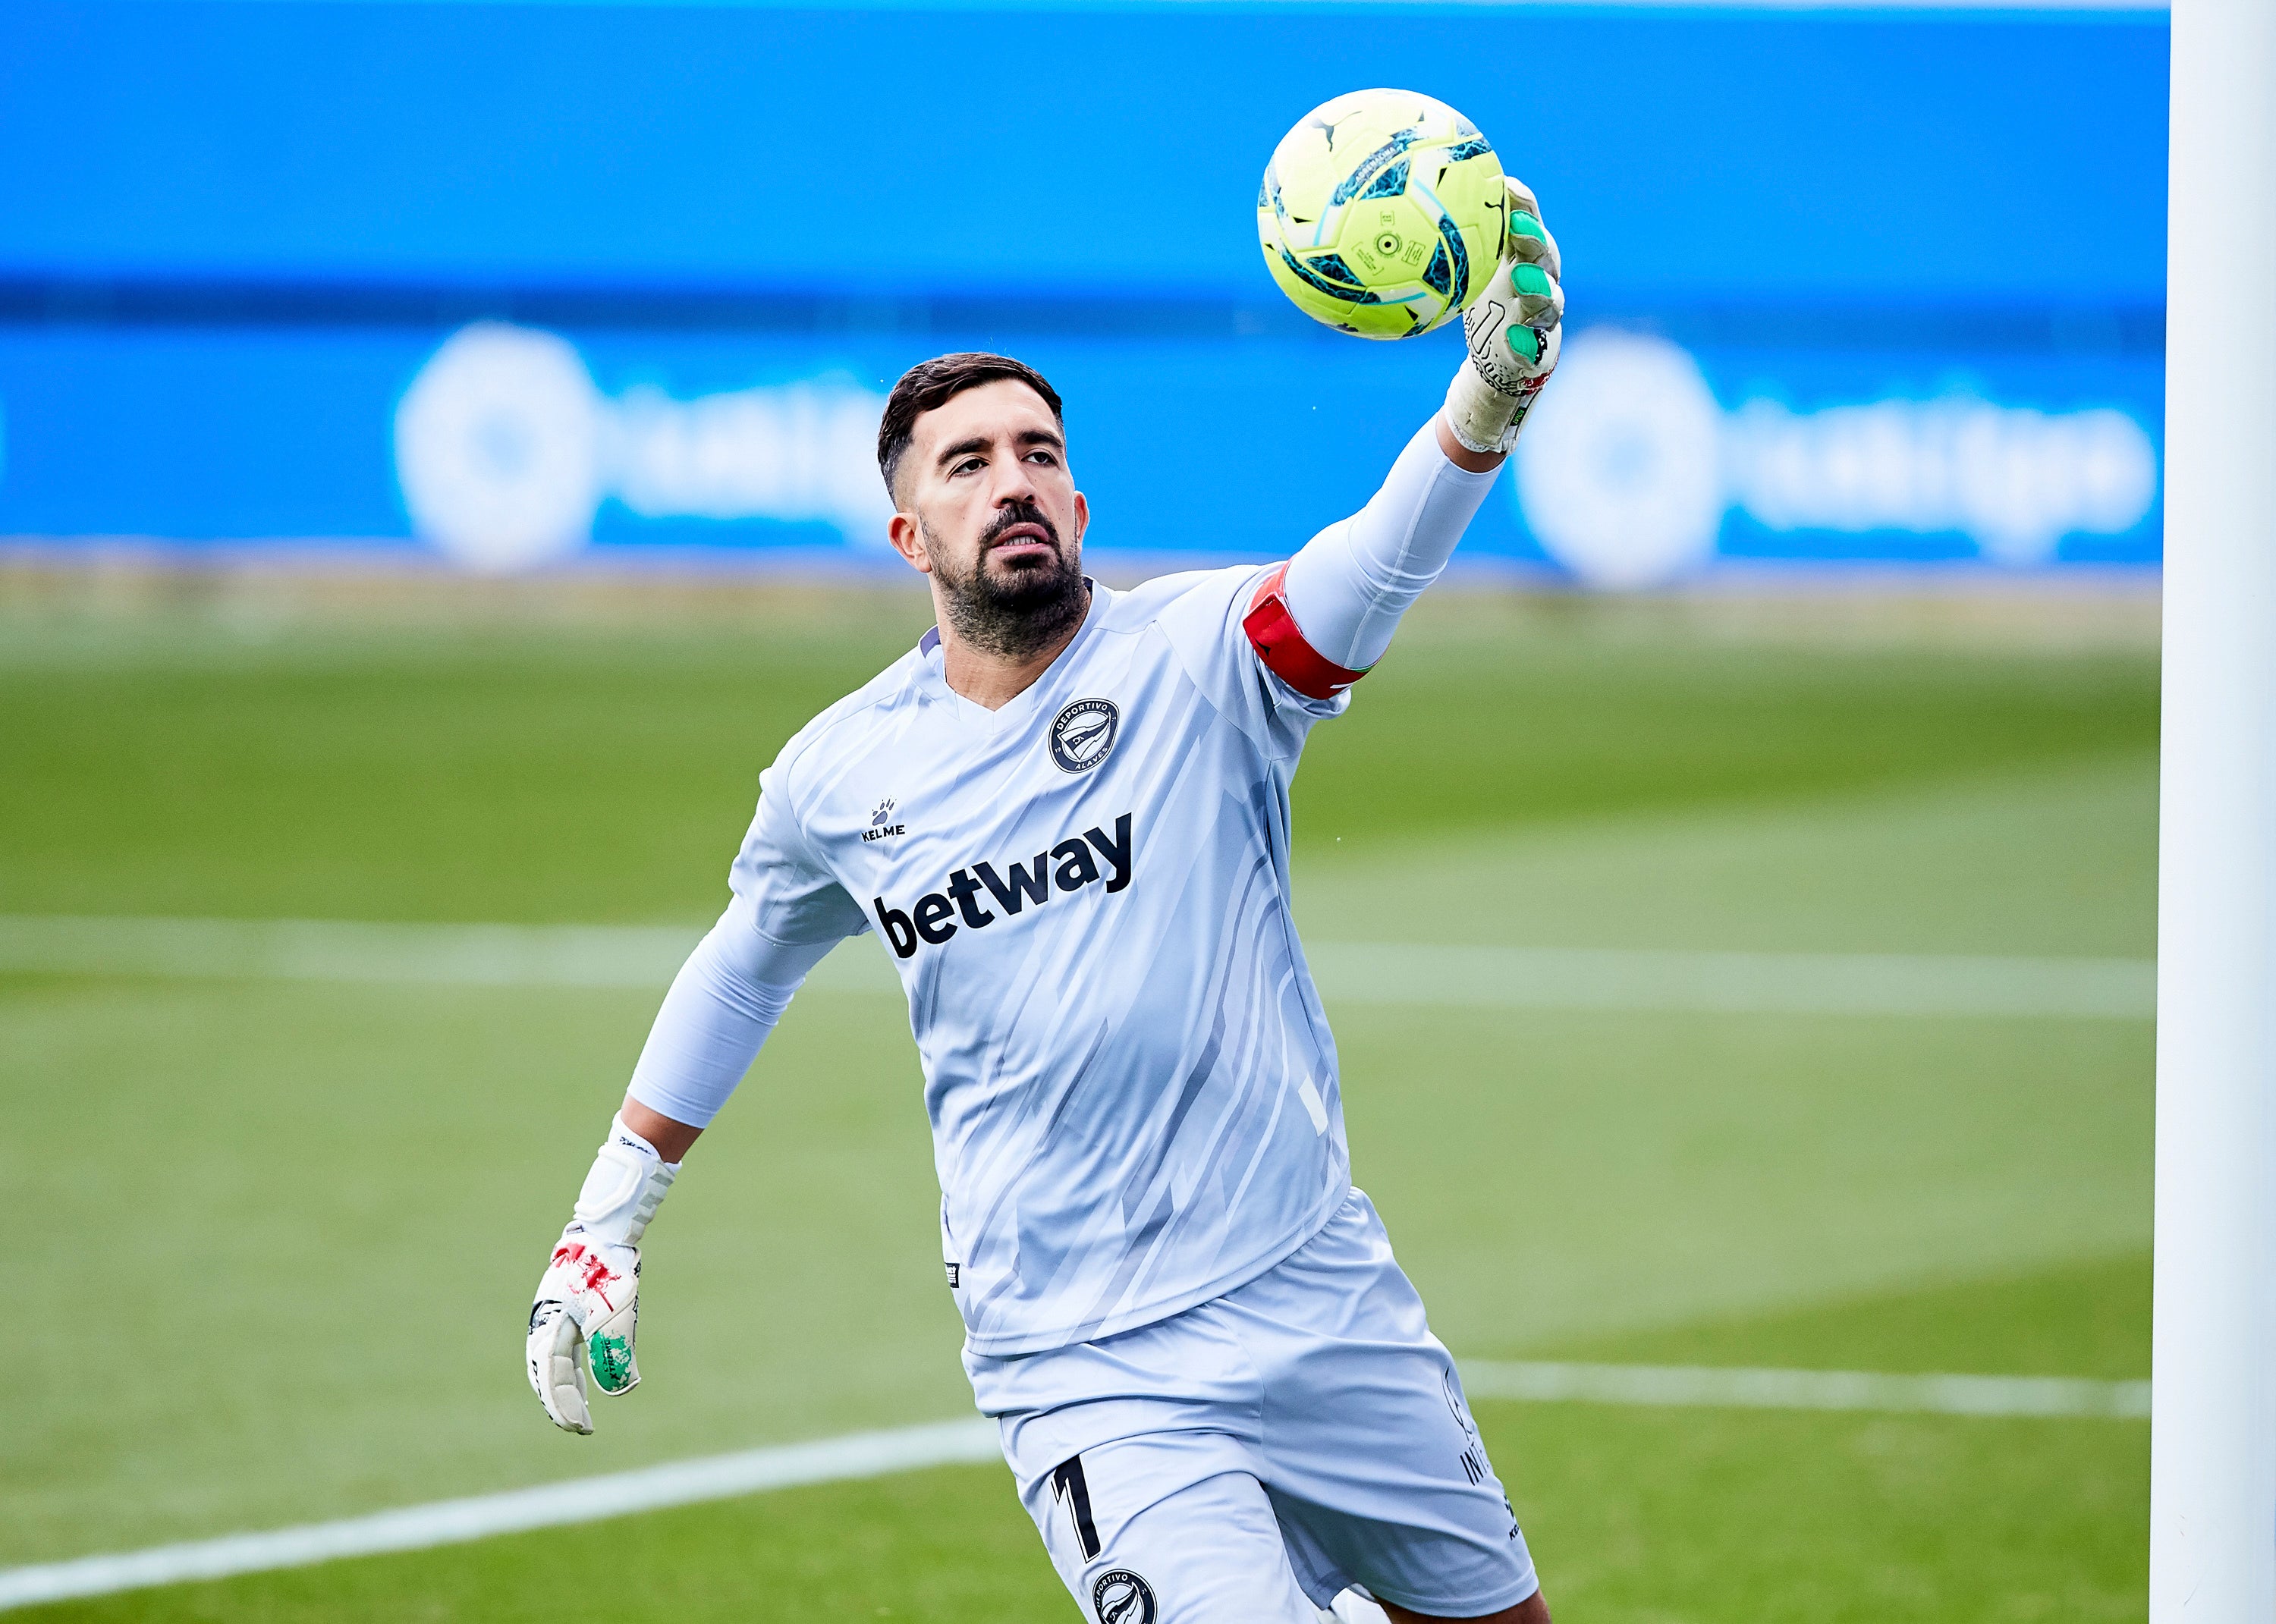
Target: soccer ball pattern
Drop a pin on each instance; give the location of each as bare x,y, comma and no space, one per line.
1382,212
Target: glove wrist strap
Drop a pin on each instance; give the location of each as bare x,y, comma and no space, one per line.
624,1189
1481,416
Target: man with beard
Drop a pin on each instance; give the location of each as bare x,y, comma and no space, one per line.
1065,813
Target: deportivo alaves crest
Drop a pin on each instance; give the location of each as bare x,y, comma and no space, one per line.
1071,865
1083,734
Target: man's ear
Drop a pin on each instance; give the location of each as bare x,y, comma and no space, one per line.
1081,516
907,537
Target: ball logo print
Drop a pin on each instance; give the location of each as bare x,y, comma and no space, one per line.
1122,1597
1083,734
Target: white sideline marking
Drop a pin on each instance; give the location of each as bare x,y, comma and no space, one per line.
872,1454
1737,984
645,957
346,951
449,1522
1813,1390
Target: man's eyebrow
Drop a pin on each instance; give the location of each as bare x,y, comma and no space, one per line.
962,448
981,442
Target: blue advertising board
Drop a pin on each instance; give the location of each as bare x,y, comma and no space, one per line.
514,286
504,445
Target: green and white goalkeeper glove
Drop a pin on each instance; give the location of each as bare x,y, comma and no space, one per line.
1513,331
588,1299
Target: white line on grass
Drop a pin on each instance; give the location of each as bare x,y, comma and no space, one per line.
347,950
1736,983
1483,977
450,1522
1817,1389
871,1454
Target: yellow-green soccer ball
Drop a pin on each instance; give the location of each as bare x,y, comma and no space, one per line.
1382,212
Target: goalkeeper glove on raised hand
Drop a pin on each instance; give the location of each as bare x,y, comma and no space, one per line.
1513,331
588,1299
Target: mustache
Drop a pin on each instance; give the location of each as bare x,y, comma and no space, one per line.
1018,513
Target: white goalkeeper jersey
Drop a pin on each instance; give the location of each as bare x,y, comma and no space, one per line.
1132,1090
1131,1081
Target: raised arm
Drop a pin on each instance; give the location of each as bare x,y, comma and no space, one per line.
1328,615
1348,587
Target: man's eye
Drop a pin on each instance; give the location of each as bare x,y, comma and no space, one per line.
1045,458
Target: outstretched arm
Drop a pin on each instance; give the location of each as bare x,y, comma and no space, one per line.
1329,615
1348,587
723,1004
785,916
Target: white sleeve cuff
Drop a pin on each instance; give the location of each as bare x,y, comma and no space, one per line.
1351,583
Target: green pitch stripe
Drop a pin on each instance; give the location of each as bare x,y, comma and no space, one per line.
1485,977
971,1442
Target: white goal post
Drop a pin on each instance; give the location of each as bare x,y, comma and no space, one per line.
2212,1471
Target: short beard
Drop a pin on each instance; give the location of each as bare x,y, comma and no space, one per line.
1019,616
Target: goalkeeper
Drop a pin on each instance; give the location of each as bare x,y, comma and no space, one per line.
1064,814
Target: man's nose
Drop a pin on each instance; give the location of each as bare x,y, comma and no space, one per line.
1014,482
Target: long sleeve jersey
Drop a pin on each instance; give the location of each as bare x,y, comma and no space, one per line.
1134,1093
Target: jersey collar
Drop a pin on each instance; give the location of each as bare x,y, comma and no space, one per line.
1015,710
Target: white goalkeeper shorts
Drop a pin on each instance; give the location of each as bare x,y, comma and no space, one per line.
1250,1459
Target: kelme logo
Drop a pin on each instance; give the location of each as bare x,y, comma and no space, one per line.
881,826
1122,1597
1083,733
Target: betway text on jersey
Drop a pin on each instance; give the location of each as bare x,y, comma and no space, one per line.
1068,866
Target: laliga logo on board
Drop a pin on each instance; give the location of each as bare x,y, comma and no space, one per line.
1629,466
505,449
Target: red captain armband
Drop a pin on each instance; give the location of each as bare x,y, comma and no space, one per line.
1272,632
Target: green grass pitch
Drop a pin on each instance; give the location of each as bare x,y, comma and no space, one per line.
282,1237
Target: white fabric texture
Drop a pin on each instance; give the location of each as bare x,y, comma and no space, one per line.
723,1004
1348,587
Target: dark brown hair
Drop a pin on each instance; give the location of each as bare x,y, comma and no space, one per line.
935,382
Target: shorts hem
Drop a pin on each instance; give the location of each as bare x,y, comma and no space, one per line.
1464,1607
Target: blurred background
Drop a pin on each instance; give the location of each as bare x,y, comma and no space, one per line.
519,284
436,472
